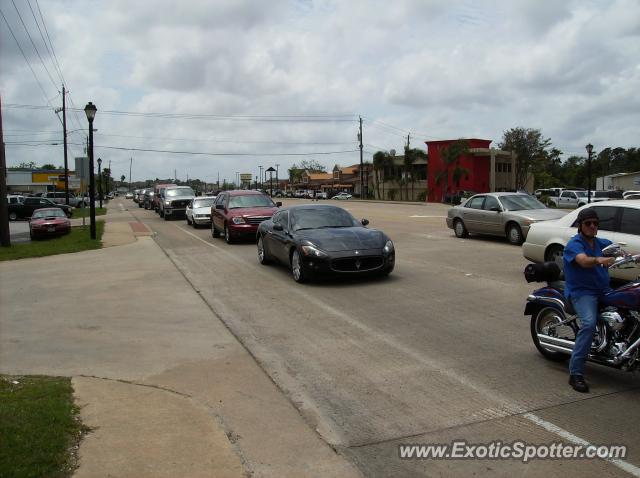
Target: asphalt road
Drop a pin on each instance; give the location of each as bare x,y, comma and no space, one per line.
439,351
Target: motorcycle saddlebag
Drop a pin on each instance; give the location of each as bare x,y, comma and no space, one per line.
545,272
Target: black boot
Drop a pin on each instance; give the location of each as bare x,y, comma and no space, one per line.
578,383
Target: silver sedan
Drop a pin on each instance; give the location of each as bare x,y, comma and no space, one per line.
499,214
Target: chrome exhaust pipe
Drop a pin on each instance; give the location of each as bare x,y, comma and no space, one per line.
547,340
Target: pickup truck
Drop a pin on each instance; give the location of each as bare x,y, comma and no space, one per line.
25,209
58,197
569,199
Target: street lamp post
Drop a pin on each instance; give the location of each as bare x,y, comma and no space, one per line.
589,151
270,171
100,181
90,111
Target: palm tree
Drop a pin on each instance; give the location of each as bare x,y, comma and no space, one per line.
411,155
379,163
451,155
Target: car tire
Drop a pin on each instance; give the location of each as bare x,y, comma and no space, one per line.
263,255
554,253
166,218
189,223
13,216
297,268
460,229
227,235
514,234
214,232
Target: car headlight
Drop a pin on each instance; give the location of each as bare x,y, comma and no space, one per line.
167,203
388,248
309,249
238,220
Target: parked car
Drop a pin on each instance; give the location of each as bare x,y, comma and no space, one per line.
129,195
238,213
499,214
59,197
619,222
14,198
628,193
199,210
174,201
25,209
342,195
632,196
314,240
148,198
136,193
48,222
569,199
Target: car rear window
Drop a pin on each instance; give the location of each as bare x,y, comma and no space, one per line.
630,222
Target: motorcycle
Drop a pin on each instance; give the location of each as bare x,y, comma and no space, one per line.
554,323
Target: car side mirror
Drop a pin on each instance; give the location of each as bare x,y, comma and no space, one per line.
365,222
278,227
220,206
279,204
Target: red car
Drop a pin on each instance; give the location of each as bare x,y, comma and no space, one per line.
238,213
48,222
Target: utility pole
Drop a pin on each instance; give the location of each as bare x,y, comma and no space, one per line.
5,236
362,196
408,140
130,164
108,179
277,182
64,137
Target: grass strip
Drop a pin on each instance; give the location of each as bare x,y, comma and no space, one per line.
40,427
78,212
79,239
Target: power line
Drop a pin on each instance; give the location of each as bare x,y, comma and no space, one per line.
57,64
27,61
44,41
194,153
34,45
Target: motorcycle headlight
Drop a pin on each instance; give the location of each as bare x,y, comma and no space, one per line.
388,248
238,220
311,250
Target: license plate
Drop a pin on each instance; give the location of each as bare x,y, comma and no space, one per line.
51,229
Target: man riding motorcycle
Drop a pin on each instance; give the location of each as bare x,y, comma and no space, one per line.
587,280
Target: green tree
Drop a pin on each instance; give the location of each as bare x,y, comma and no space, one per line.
48,166
380,162
451,157
530,148
411,155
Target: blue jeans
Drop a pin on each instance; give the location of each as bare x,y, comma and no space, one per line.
587,308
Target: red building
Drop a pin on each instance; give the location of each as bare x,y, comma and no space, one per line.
488,169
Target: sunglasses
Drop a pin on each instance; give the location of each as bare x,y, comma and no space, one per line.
591,223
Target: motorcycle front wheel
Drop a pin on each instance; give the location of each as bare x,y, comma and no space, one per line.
544,322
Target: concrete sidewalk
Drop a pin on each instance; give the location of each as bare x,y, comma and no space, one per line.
167,389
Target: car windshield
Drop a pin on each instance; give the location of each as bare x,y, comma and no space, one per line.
521,202
324,217
180,192
208,202
581,194
39,214
250,200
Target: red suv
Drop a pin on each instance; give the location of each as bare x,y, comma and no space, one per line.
238,213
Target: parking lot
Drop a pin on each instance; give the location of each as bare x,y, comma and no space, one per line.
438,351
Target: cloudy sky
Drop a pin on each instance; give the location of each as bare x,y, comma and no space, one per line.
214,87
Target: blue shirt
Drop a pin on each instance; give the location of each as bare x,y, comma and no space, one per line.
584,280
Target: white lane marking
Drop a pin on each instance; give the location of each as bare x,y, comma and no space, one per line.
561,432
416,215
506,406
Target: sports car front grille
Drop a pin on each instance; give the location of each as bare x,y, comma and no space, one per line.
255,220
357,264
